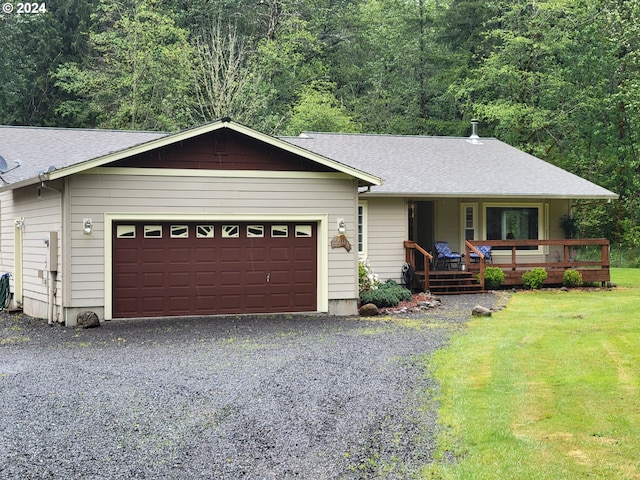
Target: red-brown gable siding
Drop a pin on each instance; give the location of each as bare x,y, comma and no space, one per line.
222,150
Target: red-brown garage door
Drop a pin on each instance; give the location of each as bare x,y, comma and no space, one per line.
179,268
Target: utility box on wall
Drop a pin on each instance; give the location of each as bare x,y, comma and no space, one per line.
52,258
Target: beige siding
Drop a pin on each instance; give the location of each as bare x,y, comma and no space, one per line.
99,196
557,209
387,229
41,210
6,232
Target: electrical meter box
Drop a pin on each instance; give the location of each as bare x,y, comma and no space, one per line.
52,258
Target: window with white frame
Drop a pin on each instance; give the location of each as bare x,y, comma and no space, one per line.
513,222
362,228
469,221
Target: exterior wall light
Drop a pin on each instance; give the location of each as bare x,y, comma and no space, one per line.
87,226
342,227
19,223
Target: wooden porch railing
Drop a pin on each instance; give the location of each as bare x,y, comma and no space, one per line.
470,248
589,256
413,252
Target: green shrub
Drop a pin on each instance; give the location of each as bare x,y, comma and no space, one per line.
388,294
534,278
493,277
572,278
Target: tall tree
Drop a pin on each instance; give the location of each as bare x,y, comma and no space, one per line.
139,74
318,110
34,46
224,83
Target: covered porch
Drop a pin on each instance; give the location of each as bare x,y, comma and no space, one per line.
514,257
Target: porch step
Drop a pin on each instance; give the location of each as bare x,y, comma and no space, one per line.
450,282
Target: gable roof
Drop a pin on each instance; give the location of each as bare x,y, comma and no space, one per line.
414,166
51,153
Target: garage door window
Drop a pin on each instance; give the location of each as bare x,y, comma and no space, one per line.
153,231
205,231
230,231
303,230
126,231
279,230
254,231
179,231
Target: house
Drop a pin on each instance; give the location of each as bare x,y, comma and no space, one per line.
221,219
458,189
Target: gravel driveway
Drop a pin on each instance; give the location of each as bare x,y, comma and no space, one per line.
270,397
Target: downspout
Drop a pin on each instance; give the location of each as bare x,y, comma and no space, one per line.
52,280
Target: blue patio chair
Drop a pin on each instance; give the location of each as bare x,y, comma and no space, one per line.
485,250
445,258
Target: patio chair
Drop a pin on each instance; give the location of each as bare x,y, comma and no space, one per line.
445,258
485,250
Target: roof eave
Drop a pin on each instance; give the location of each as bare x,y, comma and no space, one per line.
604,197
23,183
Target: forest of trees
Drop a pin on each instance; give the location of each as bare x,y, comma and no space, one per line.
559,79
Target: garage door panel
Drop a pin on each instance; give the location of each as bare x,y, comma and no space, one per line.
179,255
229,254
254,278
303,253
129,256
302,277
154,255
254,301
206,255
232,278
281,301
279,277
127,280
249,270
152,279
181,304
201,279
305,299
178,279
280,254
153,304
254,254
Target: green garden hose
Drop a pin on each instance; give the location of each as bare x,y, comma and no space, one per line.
5,293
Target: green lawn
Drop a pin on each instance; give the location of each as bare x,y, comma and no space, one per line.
548,388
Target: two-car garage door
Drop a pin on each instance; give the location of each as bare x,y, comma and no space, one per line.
213,268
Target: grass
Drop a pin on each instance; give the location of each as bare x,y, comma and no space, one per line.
546,389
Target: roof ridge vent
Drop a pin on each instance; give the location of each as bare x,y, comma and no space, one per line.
474,138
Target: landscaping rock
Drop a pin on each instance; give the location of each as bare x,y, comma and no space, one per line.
88,320
480,311
369,310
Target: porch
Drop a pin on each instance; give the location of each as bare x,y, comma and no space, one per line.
514,257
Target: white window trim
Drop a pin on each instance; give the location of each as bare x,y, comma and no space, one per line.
542,231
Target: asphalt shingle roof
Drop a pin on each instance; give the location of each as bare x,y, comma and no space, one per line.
449,166
41,148
409,165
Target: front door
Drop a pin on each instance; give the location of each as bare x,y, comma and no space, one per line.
422,226
421,223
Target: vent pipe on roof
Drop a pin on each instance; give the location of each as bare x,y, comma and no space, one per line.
474,138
